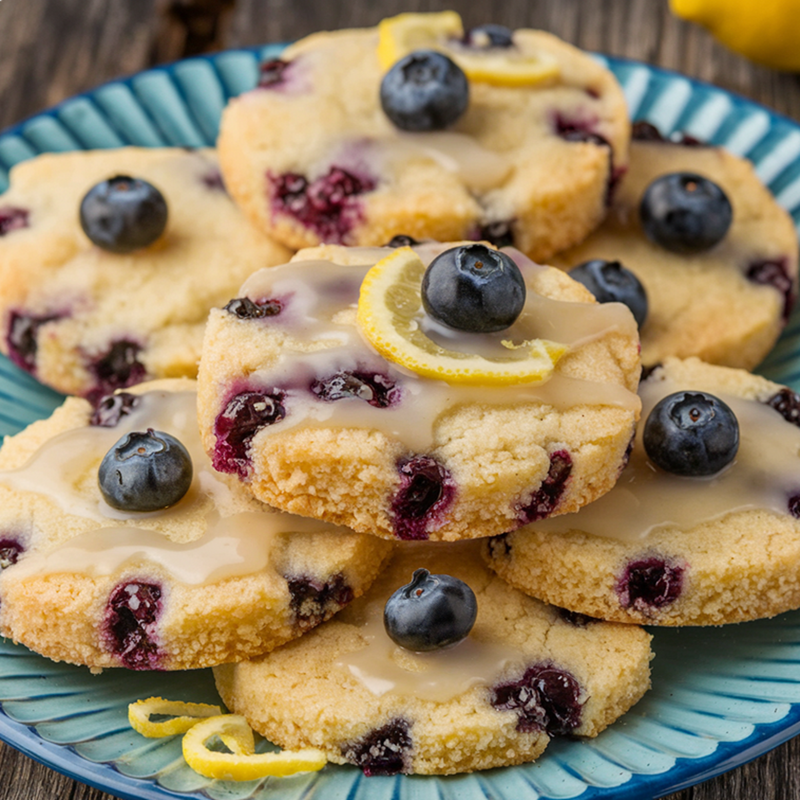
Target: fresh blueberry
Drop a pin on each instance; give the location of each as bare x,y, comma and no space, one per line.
473,288
685,213
145,472
691,434
123,214
610,282
431,612
425,91
487,36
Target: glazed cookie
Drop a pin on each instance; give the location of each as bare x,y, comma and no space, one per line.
215,576
311,156
86,320
680,548
725,304
330,401
525,673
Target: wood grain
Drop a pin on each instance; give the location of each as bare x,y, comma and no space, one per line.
51,49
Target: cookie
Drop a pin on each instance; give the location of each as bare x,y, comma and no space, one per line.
311,157
665,549
214,577
525,673
87,321
315,420
725,305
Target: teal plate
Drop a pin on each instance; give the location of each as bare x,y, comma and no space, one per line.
720,696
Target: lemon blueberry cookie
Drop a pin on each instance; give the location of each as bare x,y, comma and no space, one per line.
110,261
456,672
695,232
122,547
703,526
419,127
436,392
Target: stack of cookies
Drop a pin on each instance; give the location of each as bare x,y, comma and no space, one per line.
405,409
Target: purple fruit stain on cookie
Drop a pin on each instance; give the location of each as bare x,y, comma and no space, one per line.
130,622
578,129
22,337
576,618
111,408
426,493
787,404
775,273
313,601
243,416
13,219
10,551
380,391
245,308
273,73
650,584
546,698
213,180
545,499
383,751
117,368
328,205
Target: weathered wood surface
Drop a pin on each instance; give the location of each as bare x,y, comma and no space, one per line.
51,49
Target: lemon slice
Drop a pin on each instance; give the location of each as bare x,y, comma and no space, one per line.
184,716
389,307
243,764
443,31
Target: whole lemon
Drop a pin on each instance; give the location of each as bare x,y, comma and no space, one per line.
765,31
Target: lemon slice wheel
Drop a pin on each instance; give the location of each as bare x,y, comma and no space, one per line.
184,716
389,307
398,36
243,763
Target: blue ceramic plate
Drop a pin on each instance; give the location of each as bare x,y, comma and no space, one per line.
720,696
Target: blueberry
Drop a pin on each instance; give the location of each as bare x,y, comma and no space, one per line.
691,434
245,308
112,408
610,282
425,91
145,472
431,612
486,36
685,213
473,288
123,214
401,240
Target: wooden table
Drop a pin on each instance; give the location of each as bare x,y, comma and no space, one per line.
51,49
